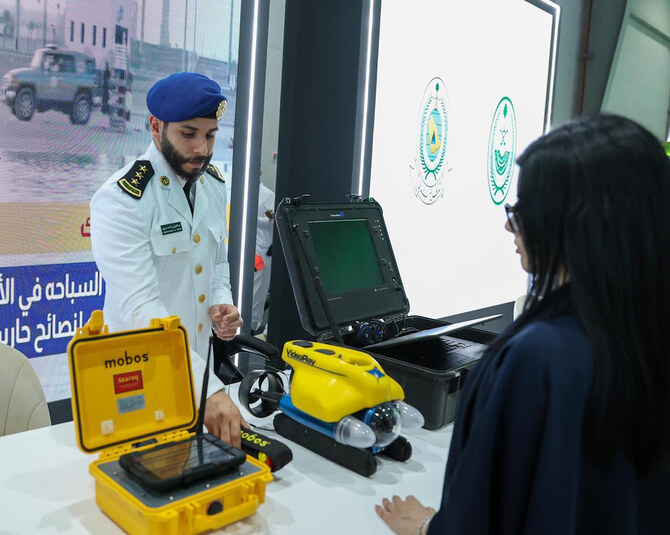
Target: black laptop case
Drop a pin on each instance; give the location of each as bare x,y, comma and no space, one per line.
341,264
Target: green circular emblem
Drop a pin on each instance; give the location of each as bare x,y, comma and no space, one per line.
502,150
427,170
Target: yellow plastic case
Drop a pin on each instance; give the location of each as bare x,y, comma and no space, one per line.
133,390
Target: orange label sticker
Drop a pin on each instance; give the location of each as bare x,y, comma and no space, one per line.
126,382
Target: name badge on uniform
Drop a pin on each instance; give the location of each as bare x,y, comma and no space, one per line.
171,228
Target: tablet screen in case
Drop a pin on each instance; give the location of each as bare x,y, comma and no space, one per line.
179,464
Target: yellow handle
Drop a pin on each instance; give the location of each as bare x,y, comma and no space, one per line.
95,325
168,323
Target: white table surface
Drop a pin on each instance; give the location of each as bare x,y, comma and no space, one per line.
45,487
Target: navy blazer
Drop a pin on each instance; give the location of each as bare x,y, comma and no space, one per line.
517,464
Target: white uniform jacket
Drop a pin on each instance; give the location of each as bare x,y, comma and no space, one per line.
159,260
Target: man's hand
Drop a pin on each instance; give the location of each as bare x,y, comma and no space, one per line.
225,320
270,214
223,418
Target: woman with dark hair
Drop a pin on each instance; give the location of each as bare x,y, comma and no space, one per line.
564,426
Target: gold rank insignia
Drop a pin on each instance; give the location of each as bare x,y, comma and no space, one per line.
137,178
165,181
202,180
221,109
214,171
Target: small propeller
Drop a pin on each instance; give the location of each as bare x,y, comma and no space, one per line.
260,392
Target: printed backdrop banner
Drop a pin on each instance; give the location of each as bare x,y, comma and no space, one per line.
75,75
41,307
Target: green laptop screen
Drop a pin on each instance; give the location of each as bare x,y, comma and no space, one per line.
345,254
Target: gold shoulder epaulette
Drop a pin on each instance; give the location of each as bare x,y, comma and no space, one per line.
135,180
214,171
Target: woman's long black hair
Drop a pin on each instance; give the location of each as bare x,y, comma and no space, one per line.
594,201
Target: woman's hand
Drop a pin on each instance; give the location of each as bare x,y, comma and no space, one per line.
404,517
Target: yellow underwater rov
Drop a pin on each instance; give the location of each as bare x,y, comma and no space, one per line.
341,405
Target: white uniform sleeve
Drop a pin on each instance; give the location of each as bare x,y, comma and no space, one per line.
221,294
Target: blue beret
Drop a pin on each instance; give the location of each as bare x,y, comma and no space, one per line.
186,95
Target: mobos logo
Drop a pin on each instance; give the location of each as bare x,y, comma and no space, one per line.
502,150
430,161
254,439
126,360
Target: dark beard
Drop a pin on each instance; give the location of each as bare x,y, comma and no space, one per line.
177,161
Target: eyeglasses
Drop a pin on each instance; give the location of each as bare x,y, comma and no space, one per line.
513,217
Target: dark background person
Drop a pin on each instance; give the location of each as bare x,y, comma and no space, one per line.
264,229
105,89
158,233
564,426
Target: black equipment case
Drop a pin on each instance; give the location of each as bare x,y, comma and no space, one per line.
348,290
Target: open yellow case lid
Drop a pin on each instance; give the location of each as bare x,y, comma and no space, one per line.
130,385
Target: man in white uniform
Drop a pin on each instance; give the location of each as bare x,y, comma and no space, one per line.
158,231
